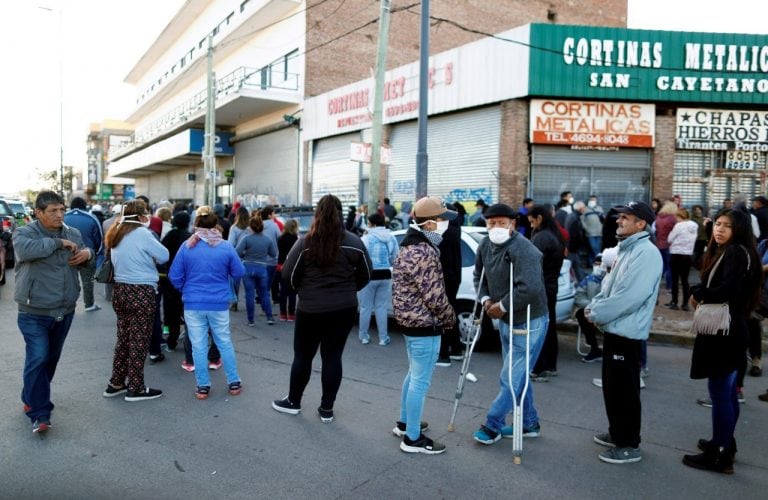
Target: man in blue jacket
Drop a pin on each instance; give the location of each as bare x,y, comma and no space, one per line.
90,229
623,310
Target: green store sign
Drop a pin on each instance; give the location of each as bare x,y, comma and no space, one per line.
625,64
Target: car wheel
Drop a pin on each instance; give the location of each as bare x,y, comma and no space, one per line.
489,338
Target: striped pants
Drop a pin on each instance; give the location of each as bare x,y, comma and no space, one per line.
134,306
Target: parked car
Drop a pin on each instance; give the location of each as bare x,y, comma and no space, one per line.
20,213
470,240
8,221
303,215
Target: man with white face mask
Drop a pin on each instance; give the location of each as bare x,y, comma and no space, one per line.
503,246
422,310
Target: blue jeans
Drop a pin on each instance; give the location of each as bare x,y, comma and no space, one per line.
725,408
422,356
198,323
44,338
256,280
374,298
666,271
503,402
595,242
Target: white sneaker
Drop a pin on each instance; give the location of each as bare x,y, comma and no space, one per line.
94,307
597,382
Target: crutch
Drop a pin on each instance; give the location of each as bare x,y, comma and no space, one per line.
470,343
517,416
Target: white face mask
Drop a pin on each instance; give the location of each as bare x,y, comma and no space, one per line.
498,235
591,203
598,270
570,201
442,226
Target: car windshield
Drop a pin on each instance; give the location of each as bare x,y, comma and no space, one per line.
17,207
304,220
5,209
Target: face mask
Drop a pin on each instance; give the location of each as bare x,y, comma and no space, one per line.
591,203
570,201
598,270
145,224
498,235
442,226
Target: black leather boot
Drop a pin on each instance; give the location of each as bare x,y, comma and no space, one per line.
705,445
717,460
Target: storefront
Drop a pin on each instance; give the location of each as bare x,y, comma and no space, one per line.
267,169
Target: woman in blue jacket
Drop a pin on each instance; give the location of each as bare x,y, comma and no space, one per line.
201,271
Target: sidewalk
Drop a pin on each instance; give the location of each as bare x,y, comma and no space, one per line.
669,327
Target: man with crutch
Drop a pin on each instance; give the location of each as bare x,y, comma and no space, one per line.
502,247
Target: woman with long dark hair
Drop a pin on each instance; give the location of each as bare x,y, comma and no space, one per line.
284,244
327,268
546,236
731,273
237,232
135,253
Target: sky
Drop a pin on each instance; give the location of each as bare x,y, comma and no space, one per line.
73,55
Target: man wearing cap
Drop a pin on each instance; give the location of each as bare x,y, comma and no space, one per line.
422,310
502,247
478,218
623,310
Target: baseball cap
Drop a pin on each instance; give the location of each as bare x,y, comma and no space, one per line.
432,206
639,209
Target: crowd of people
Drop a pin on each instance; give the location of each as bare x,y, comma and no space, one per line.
178,272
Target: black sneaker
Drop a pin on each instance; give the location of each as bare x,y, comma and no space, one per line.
325,415
443,362
144,395
421,445
399,429
156,358
592,356
285,406
111,392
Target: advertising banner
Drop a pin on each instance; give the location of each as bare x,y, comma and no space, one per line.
722,129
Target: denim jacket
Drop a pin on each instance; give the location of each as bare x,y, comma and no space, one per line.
382,247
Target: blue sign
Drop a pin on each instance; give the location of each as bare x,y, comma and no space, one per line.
129,192
222,147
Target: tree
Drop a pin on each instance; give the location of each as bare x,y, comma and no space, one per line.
50,180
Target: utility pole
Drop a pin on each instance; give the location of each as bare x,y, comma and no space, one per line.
209,138
422,167
378,105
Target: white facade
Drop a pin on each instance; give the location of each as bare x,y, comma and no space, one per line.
258,64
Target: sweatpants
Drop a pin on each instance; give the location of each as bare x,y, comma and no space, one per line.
621,389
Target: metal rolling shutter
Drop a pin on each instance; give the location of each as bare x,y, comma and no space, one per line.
267,165
614,176
332,170
463,151
701,180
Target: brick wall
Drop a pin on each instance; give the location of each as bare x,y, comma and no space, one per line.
513,152
663,161
353,57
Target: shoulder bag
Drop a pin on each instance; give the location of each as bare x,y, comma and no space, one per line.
105,273
708,319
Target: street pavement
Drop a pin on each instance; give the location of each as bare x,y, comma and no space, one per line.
239,447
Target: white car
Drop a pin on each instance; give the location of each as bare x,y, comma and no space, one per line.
471,236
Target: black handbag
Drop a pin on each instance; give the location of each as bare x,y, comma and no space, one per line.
105,273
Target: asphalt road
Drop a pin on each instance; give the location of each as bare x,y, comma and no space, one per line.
239,447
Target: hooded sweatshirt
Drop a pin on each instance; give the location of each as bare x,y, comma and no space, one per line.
382,247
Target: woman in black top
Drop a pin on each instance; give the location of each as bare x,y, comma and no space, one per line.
287,295
546,236
736,273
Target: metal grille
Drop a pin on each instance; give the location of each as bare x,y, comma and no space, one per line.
616,177
333,172
267,165
463,151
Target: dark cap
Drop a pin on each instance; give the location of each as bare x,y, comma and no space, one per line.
638,209
762,199
480,203
500,210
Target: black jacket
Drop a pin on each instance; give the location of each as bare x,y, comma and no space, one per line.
328,288
450,259
552,250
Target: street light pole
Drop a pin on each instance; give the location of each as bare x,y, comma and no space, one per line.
61,99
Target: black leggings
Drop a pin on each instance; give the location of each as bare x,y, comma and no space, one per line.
328,331
680,266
